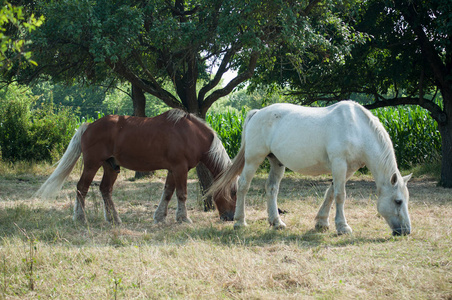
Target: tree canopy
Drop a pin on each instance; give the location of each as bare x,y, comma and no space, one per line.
188,44
14,26
406,59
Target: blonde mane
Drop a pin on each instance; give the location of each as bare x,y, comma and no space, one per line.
217,153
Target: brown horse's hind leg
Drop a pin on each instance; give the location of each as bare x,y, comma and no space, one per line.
106,189
162,210
82,189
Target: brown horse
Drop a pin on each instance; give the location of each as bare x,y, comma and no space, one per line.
175,141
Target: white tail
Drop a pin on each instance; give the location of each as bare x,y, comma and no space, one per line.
54,183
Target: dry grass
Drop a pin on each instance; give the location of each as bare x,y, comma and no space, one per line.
43,253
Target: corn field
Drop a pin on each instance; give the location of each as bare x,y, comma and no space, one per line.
228,126
413,132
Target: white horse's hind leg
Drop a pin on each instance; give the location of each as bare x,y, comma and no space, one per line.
272,189
243,187
322,222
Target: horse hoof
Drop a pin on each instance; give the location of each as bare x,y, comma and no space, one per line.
238,225
344,230
279,226
184,220
159,221
321,228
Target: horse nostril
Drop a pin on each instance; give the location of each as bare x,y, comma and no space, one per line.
398,202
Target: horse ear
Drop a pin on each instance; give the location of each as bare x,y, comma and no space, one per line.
406,178
394,179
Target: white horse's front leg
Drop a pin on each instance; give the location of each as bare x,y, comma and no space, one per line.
341,223
339,179
272,189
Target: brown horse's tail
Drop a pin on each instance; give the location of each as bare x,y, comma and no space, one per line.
54,183
221,186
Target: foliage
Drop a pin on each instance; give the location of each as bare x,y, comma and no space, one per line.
406,59
189,45
85,100
14,25
30,132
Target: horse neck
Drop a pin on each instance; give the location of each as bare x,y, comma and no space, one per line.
217,159
381,162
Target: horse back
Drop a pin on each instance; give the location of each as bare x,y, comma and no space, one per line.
145,144
307,139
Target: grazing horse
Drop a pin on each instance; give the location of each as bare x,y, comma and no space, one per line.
338,139
174,140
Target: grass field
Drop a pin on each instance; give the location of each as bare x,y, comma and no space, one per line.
44,254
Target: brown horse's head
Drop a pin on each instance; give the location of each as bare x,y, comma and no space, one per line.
226,203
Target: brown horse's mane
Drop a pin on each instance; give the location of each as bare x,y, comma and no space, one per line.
176,114
217,153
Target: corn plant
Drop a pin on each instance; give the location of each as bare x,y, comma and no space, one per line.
228,125
413,132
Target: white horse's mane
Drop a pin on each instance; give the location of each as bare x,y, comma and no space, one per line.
387,157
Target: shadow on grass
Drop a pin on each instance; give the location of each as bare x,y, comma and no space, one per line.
136,202
56,226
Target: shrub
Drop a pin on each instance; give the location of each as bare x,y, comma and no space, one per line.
31,133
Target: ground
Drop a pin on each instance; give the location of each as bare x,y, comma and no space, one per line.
43,253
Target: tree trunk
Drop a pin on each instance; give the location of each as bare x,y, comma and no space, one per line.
139,110
446,161
445,128
139,102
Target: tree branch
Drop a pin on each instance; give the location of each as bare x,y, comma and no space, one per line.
435,111
232,84
221,70
126,73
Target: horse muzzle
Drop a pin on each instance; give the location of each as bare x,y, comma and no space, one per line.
227,216
401,231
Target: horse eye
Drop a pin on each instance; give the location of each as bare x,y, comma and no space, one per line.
398,201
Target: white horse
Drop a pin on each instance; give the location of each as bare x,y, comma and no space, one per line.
338,139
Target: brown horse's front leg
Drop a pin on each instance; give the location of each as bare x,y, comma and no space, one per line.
181,192
162,210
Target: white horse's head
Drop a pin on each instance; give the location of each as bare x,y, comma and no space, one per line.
393,204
